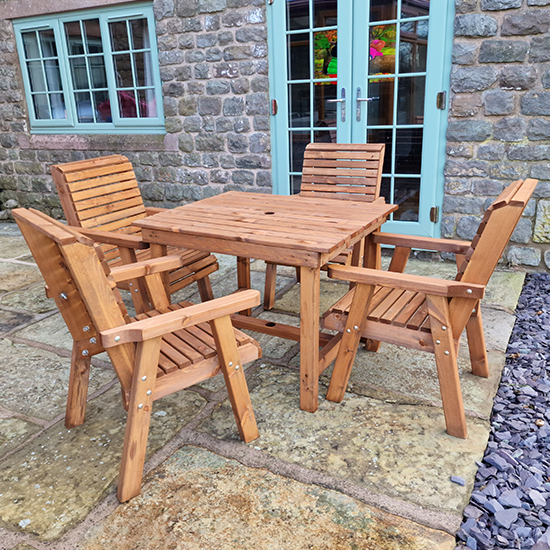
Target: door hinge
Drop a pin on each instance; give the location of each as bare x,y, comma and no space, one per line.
441,100
274,107
434,214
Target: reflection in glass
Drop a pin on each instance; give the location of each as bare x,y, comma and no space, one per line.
127,104
415,8
295,184
74,38
298,52
79,72
41,106
325,13
382,49
47,42
383,10
93,36
84,110
140,35
298,142
382,136
385,190
53,77
97,71
326,54
297,14
413,48
299,105
380,111
410,100
406,193
123,71
102,107
147,103
30,44
58,106
119,36
143,68
325,113
325,137
36,76
408,151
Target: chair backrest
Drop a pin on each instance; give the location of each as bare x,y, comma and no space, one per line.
351,171
79,281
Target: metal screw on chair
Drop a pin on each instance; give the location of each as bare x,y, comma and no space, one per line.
144,378
443,327
348,330
93,340
149,392
85,353
63,296
446,353
355,327
86,328
230,363
469,291
237,367
473,310
117,338
438,341
140,406
135,290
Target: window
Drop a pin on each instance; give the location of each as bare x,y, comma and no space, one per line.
92,71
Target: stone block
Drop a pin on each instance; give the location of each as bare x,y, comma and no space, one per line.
469,130
257,104
474,25
237,143
217,87
251,34
466,168
210,143
486,187
233,18
509,170
526,23
473,79
465,6
538,2
454,186
460,150
227,161
464,53
172,57
497,102
491,151
219,176
502,51
524,256
547,256
243,177
233,106
211,6
495,5
241,125
224,124
529,152
463,205
263,179
535,103
213,54
212,23
518,78
467,227
523,231
226,70
187,8
542,190
510,129
173,89
206,40
187,106
240,86
540,49
541,171
235,53
173,125
194,56
225,38
186,143
539,129
184,72
192,160
186,41
202,71
260,143
465,105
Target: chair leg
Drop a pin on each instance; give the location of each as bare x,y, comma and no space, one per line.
233,373
298,275
79,378
205,289
350,341
447,368
476,344
270,281
243,278
139,418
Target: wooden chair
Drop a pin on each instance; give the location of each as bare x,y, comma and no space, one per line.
339,171
424,313
158,353
103,194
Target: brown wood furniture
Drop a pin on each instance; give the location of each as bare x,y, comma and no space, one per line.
424,313
158,353
102,194
306,232
346,171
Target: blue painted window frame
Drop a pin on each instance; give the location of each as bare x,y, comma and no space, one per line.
70,124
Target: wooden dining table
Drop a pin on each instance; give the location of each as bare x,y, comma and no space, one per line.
306,232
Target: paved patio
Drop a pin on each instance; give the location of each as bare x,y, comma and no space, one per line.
372,472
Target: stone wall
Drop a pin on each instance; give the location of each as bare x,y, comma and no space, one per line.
499,125
213,64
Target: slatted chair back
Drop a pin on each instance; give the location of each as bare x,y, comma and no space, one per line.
349,171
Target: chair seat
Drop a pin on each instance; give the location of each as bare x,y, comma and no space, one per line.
391,306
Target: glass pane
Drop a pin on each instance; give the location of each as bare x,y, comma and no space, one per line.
127,104
383,10
47,41
58,106
382,136
415,8
74,38
93,36
324,13
408,151
406,193
325,113
413,47
123,70
97,71
144,74
147,104
84,109
298,52
297,14
298,142
140,35
410,100
36,76
119,36
295,184
41,106
382,49
299,105
53,77
380,109
30,43
79,73
325,137
385,189
326,63
102,107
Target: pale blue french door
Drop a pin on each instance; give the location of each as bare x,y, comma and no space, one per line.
364,71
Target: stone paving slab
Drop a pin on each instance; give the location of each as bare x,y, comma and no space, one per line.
15,275
32,299
10,320
13,432
11,248
58,478
396,449
198,500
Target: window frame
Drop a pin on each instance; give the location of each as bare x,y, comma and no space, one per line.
70,124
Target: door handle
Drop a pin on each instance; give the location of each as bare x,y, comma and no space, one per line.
342,100
359,100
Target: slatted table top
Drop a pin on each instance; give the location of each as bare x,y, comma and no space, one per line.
315,225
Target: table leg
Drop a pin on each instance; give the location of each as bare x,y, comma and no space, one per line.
243,278
310,280
158,251
373,260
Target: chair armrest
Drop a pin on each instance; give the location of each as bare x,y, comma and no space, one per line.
146,267
423,243
152,210
180,319
416,283
116,239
